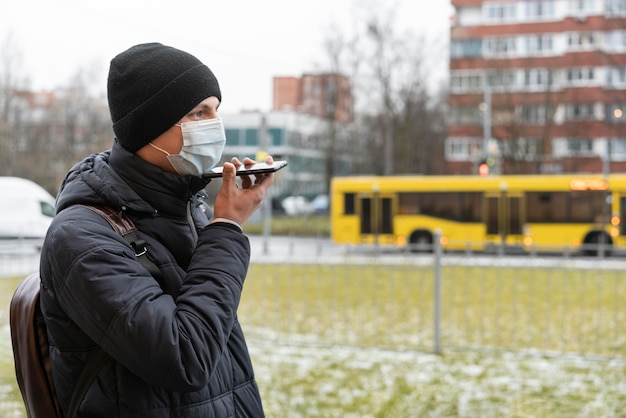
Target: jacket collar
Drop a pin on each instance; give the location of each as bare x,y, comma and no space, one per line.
167,193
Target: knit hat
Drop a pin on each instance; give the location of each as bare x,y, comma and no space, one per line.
151,87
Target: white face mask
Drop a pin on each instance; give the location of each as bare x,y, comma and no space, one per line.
203,144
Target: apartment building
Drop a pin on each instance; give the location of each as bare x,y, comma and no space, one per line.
537,86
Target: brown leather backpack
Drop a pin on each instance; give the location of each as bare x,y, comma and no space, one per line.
30,339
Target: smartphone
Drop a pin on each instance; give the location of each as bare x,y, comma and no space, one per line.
242,170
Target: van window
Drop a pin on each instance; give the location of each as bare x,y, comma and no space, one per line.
47,209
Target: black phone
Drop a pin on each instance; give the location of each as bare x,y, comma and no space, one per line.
242,170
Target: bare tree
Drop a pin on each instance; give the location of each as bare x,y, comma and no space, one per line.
399,126
43,133
11,127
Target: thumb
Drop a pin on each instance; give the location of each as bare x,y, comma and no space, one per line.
229,173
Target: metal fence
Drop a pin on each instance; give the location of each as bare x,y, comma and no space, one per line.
308,291
368,297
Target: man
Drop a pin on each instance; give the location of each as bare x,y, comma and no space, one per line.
175,345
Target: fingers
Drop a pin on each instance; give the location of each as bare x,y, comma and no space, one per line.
239,203
246,161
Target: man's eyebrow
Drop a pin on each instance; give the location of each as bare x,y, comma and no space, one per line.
204,106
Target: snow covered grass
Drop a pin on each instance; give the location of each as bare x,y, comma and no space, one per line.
325,381
356,341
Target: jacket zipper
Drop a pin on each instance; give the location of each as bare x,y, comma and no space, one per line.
192,224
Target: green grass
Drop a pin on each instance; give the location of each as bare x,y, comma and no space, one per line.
297,226
391,306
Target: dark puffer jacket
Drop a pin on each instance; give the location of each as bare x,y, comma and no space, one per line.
176,348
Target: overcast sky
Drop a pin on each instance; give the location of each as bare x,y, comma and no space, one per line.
244,42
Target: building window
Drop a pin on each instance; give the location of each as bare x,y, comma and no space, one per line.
579,111
532,114
463,149
503,80
538,78
233,136
466,48
580,76
540,9
520,149
251,137
277,136
615,7
579,147
615,41
500,12
616,77
463,82
465,115
539,44
617,151
581,40
500,46
577,7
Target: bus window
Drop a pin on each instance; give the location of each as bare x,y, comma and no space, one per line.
366,215
492,215
457,206
471,206
387,216
587,206
409,203
348,204
378,219
564,207
515,216
622,206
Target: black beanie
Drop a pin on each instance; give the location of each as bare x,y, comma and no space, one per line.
151,87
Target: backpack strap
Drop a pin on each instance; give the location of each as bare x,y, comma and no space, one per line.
122,224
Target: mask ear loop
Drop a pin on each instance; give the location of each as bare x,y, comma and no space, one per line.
160,149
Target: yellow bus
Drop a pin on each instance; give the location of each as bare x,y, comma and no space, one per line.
575,212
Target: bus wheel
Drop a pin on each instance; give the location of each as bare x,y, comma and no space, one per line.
421,241
594,240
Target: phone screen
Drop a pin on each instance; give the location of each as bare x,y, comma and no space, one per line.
257,168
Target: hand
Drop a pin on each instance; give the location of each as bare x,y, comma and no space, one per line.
240,202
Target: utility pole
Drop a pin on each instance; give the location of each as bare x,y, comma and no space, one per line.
486,115
266,206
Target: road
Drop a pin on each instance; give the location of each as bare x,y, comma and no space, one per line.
22,261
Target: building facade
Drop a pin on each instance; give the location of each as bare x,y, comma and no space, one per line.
537,86
325,95
299,138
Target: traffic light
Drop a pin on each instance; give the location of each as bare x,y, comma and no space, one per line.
483,168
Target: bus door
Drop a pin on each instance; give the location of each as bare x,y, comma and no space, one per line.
504,216
376,215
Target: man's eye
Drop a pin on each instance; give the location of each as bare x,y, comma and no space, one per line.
198,114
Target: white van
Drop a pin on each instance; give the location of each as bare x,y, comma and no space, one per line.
26,210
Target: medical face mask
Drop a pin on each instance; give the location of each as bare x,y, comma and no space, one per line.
203,144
